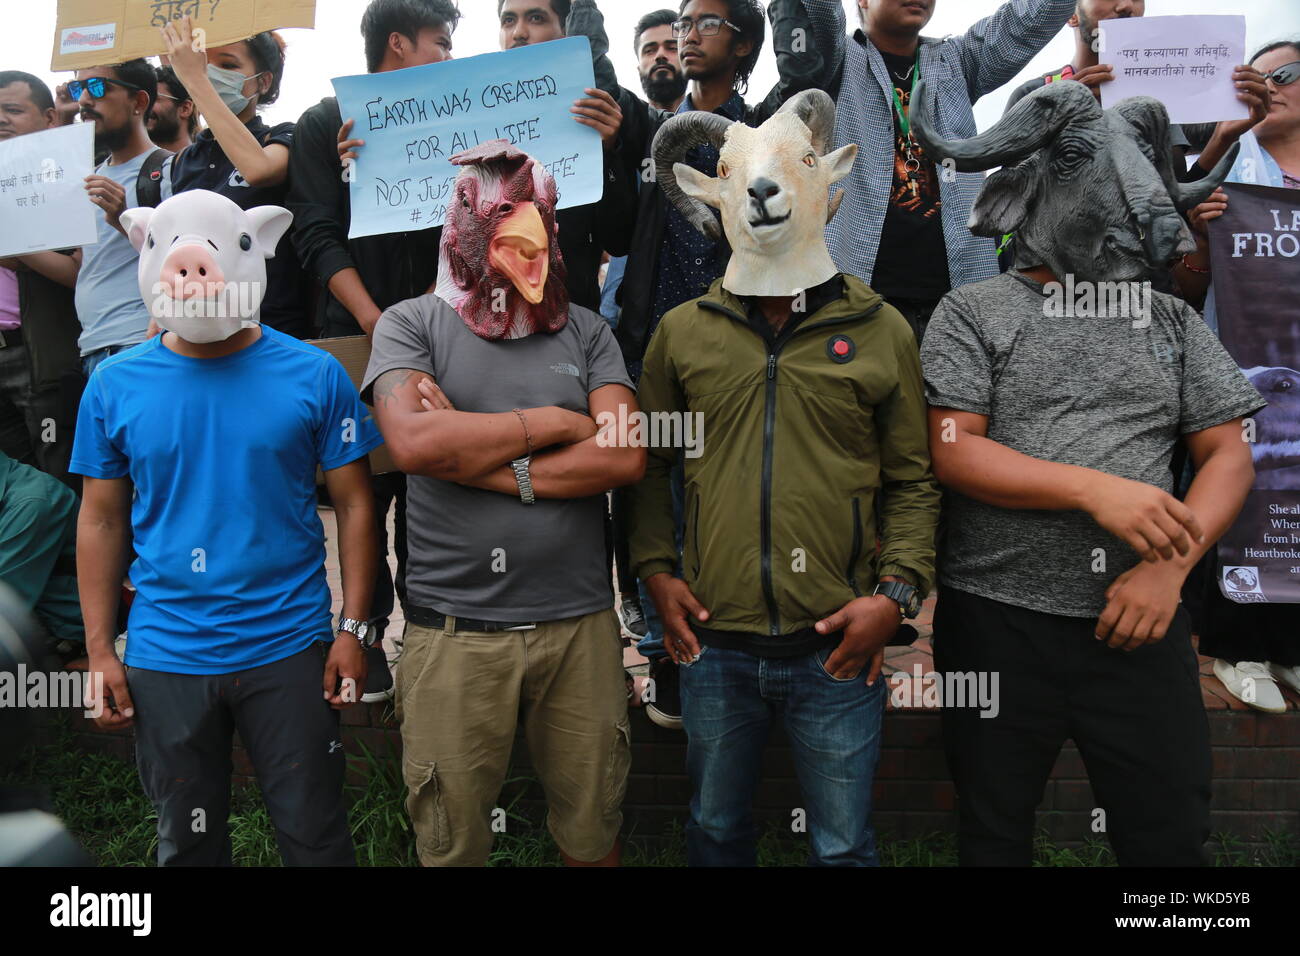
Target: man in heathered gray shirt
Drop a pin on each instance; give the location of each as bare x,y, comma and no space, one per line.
488,393
1065,555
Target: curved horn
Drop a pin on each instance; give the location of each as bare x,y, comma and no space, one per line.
672,141
1187,195
817,111
1150,118
1033,123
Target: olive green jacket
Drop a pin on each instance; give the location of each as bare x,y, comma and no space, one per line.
801,450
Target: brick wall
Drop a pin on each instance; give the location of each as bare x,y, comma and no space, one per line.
1256,774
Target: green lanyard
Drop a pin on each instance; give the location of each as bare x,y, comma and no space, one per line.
903,124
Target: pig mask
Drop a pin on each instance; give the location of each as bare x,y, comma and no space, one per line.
500,267
203,262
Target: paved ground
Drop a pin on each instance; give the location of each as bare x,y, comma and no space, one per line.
902,659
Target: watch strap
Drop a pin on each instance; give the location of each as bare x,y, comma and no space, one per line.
524,480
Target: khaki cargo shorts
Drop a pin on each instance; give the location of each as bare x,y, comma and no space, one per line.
460,695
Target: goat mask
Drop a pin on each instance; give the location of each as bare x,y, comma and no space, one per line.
771,188
501,267
203,259
1088,192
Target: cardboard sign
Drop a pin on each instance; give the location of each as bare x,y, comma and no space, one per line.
100,32
43,201
414,120
353,353
1184,62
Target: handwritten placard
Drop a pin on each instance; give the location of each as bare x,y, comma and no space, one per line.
414,120
99,32
43,201
1184,62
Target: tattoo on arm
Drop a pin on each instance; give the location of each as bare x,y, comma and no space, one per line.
386,386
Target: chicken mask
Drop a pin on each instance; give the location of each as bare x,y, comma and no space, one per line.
500,267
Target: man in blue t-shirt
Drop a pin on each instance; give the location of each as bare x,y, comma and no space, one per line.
203,456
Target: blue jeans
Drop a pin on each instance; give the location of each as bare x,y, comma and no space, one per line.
651,647
729,699
90,360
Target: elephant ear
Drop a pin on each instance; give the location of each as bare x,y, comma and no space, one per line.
1004,201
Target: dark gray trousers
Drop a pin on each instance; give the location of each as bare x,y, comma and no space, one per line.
184,727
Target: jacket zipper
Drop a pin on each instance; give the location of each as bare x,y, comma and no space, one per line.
769,428
857,549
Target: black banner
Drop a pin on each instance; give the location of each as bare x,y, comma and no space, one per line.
1255,254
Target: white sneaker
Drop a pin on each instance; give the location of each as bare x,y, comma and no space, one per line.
1287,675
1252,684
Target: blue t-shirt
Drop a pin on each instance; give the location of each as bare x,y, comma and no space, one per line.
108,288
230,553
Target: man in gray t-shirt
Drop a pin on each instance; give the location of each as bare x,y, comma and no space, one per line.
1053,425
509,605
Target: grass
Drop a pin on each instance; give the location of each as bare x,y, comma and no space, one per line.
99,799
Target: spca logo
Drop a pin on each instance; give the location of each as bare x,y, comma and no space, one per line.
1241,584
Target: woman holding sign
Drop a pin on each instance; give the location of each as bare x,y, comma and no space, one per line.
1255,646
238,155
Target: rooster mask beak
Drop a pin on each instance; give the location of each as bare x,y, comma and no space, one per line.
520,251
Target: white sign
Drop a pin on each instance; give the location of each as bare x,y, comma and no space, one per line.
88,39
43,201
1184,62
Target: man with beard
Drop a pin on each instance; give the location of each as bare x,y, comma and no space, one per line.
174,122
118,100
486,393
660,68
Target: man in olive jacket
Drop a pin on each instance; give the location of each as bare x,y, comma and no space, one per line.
808,420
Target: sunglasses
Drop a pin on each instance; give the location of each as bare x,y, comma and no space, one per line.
97,86
708,26
1285,75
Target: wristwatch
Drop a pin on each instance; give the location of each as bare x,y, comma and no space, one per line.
361,630
524,480
908,597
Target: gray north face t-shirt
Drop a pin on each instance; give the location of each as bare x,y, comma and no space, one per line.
1093,392
482,554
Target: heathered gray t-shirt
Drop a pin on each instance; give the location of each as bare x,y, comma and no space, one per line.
459,539
1093,392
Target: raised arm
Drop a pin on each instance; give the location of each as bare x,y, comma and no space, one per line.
437,441
805,54
998,47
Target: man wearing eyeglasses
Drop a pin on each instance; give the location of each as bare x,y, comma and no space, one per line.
117,99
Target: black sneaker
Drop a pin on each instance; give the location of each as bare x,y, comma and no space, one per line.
665,704
379,680
633,617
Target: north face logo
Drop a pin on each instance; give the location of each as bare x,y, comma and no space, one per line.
565,368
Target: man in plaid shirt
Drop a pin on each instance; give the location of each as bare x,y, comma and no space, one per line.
902,225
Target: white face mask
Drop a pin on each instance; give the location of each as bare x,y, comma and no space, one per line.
229,85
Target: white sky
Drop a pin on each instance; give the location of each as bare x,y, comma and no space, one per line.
334,48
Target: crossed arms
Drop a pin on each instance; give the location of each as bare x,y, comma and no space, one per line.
427,436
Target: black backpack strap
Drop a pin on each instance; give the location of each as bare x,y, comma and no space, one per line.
148,183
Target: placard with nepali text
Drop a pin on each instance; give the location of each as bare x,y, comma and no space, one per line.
1184,62
414,120
43,201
